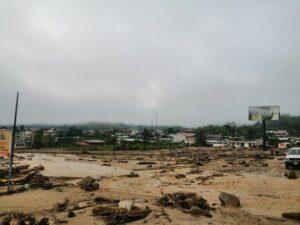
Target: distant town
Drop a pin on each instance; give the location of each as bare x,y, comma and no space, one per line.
281,134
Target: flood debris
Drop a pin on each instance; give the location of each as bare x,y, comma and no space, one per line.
113,215
146,163
88,184
187,202
106,164
71,214
36,180
15,218
180,176
291,215
199,163
227,199
203,179
82,205
61,206
103,200
20,174
244,163
19,189
19,218
195,170
132,174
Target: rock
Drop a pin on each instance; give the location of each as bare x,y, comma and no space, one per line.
88,184
71,214
229,200
291,215
61,206
92,187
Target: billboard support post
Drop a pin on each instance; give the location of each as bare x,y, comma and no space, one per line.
11,158
264,135
263,114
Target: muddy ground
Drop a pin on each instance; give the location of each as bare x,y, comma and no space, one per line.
256,178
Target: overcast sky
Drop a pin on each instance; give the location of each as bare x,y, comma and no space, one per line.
192,62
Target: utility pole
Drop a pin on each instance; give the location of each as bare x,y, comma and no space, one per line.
264,135
9,188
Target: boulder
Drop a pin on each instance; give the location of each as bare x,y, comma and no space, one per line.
71,214
229,200
88,184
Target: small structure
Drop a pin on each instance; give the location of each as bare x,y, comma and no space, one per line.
186,136
245,144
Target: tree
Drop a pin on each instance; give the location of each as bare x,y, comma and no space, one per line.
73,132
37,139
146,136
200,138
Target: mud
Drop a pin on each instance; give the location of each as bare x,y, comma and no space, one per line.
257,178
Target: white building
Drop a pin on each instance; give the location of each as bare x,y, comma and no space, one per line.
185,137
245,144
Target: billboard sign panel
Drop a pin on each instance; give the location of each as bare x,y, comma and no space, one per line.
5,142
259,113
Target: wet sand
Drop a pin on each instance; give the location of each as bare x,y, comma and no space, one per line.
60,165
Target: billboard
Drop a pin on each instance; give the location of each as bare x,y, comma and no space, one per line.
5,142
259,113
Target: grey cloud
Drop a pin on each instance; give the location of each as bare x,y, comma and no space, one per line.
193,62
